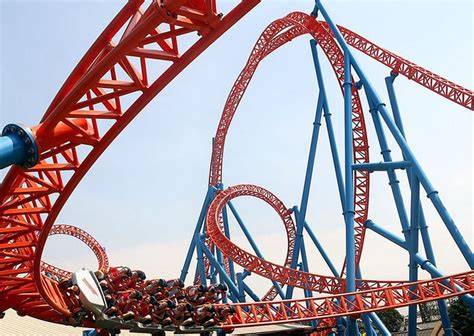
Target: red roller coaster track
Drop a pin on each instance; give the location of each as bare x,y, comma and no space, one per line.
69,230
90,111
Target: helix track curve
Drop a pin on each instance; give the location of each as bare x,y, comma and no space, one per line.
87,239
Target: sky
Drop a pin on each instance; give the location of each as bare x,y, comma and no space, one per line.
142,198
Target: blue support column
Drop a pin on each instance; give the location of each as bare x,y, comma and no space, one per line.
253,244
324,255
420,260
321,250
329,126
392,176
227,233
306,189
379,324
305,268
366,318
414,227
197,230
234,291
367,325
336,163
200,260
349,191
382,166
431,192
220,259
213,271
443,310
240,285
249,291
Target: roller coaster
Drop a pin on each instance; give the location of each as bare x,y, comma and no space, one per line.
112,84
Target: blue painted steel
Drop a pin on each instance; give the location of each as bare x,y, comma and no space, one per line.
349,200
318,245
420,260
392,97
253,244
398,121
431,192
381,166
240,285
220,259
227,233
250,292
368,326
386,234
200,261
222,273
392,176
379,324
12,150
414,237
443,310
212,270
305,267
17,146
197,230
322,251
335,158
328,120
306,189
371,316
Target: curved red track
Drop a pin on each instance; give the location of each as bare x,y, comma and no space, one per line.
327,307
89,112
274,36
73,231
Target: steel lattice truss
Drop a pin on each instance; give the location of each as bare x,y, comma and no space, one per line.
86,238
90,110
352,304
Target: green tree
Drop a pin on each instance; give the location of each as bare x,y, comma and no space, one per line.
461,317
392,319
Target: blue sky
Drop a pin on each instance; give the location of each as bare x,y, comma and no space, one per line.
142,197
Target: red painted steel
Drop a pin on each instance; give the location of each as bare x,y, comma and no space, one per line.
89,111
439,85
314,282
86,238
350,304
274,36
114,67
373,295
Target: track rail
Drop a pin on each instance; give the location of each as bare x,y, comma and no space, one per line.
86,238
277,34
350,304
84,118
90,110
314,282
377,296
439,85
